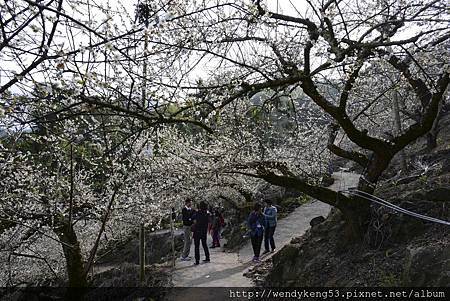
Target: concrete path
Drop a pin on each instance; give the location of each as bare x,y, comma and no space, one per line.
227,269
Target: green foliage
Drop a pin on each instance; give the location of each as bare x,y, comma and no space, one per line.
423,179
256,113
389,280
294,202
178,224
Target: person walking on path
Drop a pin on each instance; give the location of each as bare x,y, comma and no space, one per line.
270,215
211,217
187,213
216,226
200,230
256,225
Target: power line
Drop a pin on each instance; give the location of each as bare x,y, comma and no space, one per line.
379,201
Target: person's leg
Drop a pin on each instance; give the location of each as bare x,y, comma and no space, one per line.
216,242
218,237
258,245
272,240
187,241
254,240
213,234
205,248
197,249
266,239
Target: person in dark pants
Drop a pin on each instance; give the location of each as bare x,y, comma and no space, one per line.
216,226
256,225
200,230
187,214
270,215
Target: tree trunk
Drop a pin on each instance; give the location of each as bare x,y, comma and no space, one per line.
431,140
356,214
433,133
376,166
398,129
72,254
356,211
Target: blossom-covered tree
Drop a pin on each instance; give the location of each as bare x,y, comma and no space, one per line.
61,181
117,111
319,47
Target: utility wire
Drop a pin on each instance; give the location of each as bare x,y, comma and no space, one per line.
379,201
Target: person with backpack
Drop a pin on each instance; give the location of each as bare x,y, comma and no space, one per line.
270,215
256,225
200,229
187,213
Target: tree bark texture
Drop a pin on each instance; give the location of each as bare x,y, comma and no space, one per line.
72,254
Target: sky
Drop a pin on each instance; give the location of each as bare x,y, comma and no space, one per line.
127,9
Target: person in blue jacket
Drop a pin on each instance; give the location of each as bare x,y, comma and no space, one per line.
270,215
256,225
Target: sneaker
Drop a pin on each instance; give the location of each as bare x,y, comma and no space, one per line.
256,259
273,250
265,252
206,260
196,263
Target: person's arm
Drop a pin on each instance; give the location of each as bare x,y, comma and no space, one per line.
270,213
262,221
194,224
184,215
190,215
194,220
251,222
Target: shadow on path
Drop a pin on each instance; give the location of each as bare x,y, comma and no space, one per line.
218,275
